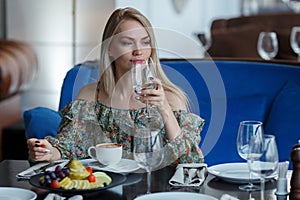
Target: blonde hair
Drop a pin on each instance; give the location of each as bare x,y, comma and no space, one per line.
107,69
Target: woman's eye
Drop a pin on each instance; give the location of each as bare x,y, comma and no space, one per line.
145,43
126,43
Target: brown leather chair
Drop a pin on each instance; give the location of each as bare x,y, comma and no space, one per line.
237,37
18,68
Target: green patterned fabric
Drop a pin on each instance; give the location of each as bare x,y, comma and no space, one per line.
85,123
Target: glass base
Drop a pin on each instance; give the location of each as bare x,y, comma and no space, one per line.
249,188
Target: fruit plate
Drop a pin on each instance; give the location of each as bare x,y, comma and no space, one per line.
117,179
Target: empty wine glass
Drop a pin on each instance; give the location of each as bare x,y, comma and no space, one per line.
268,162
293,4
267,45
250,133
295,40
205,39
148,151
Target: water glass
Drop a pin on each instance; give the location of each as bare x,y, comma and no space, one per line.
267,45
295,40
250,146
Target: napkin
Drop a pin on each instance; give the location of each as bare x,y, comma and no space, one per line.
282,178
26,174
189,174
52,196
228,197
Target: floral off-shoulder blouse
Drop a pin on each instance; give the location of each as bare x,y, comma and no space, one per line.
85,124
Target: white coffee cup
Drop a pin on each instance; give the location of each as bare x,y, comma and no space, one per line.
106,153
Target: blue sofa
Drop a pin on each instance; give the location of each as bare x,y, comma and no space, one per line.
222,92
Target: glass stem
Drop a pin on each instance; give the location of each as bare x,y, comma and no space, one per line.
262,188
148,181
250,174
147,108
298,59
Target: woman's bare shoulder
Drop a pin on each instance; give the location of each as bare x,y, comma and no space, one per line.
87,92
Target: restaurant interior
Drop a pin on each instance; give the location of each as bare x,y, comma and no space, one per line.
241,74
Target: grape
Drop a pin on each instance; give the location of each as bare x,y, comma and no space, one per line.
42,182
57,174
48,182
53,175
66,171
61,175
47,177
47,172
58,169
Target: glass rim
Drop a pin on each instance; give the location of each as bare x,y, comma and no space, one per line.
295,27
251,122
269,136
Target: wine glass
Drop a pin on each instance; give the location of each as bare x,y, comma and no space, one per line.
267,45
250,133
295,40
293,4
268,162
148,150
142,72
205,39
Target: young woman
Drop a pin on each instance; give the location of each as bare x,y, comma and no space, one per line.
106,111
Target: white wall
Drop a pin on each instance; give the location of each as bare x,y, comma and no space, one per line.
176,31
48,26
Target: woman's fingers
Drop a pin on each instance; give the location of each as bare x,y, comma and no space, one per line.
38,149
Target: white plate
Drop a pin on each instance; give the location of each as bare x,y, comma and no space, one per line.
124,166
175,196
235,173
12,193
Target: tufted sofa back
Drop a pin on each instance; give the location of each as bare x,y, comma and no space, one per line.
237,37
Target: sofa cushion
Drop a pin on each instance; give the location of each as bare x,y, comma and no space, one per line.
40,122
238,109
284,119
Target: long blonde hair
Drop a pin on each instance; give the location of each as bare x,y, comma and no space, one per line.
107,68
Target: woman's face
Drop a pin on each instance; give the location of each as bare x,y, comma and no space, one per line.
131,42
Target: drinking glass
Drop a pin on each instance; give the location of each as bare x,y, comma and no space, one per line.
205,39
267,45
148,151
141,73
293,4
268,162
295,40
250,133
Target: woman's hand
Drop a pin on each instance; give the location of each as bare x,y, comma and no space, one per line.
155,96
41,150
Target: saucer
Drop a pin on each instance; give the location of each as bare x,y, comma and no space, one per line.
124,166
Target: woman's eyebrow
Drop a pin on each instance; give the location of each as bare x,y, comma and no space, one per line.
131,38
126,37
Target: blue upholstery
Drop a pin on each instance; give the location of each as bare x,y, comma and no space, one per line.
75,78
285,116
40,122
223,93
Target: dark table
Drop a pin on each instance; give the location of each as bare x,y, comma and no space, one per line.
136,185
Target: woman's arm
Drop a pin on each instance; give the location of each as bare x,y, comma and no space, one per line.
185,147
72,137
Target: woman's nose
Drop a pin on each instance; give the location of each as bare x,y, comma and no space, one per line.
137,51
